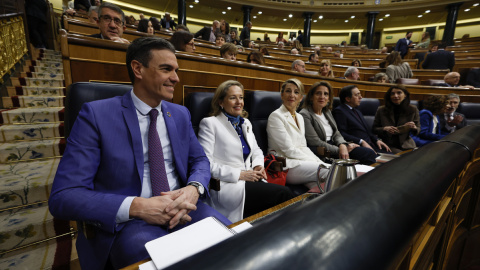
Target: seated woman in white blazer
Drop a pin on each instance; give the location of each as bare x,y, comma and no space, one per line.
235,158
286,136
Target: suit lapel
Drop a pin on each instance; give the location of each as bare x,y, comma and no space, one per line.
131,119
175,143
318,124
228,126
289,118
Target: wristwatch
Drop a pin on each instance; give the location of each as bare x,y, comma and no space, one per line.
200,188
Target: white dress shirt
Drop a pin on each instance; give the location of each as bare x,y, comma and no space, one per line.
144,121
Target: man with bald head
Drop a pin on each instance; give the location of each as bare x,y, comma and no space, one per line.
352,73
299,66
452,79
208,33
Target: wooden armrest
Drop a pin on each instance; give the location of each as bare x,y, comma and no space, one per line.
214,184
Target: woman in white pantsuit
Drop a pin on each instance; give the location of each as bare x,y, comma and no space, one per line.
235,158
286,136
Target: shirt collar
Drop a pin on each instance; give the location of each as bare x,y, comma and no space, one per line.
141,106
350,107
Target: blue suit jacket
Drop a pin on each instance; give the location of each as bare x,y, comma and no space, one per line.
351,128
402,46
426,134
103,164
440,59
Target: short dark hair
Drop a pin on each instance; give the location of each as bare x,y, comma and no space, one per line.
180,39
442,45
408,32
308,99
140,50
257,57
311,56
112,7
346,92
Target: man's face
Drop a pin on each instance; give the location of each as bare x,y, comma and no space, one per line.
93,17
452,105
219,41
250,26
355,75
110,24
355,99
157,81
452,78
300,67
409,35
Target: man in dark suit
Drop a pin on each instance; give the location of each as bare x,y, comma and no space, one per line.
404,44
208,33
452,120
245,34
351,123
452,79
133,168
441,59
37,22
167,22
111,22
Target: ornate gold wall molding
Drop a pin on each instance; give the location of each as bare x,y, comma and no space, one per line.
13,44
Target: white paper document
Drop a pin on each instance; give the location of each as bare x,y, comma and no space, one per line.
188,241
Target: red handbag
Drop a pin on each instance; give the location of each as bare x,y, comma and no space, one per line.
274,169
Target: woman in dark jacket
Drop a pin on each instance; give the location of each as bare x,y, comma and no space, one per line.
397,119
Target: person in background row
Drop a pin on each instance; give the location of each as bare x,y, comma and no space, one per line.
430,130
82,6
228,51
255,57
352,73
356,63
239,48
225,30
181,27
294,51
248,43
318,51
396,68
167,22
219,40
452,79
229,142
473,77
111,22
298,66
264,50
425,41
313,58
452,120
150,29
93,14
183,41
207,33
404,44
281,45
439,59
397,119
337,54
384,50
381,78
326,69
329,49
245,34
321,129
300,36
343,44
297,45
234,37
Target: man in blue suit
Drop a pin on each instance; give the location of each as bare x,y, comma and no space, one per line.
351,123
404,44
106,176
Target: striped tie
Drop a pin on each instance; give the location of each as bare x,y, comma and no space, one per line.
158,175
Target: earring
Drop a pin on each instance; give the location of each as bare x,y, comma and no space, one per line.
221,107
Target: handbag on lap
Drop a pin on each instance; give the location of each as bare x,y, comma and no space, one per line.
274,168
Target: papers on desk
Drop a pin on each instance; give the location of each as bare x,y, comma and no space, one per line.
188,241
382,158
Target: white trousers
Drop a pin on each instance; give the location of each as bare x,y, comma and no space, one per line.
305,173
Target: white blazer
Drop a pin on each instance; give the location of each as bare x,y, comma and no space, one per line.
224,151
287,139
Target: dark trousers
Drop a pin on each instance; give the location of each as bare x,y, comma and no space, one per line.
37,29
260,196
